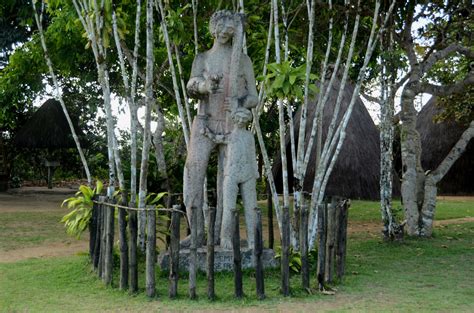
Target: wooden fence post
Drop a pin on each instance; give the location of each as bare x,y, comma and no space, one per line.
93,230
174,252
98,237
330,241
258,251
238,291
285,253
103,236
342,239
193,254
304,247
210,254
322,212
122,222
271,236
109,244
150,252
133,248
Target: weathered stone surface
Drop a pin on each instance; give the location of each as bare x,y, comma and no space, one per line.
223,81
223,259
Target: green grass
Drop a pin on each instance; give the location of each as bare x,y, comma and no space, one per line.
26,229
417,275
369,211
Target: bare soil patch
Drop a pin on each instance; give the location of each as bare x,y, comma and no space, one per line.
53,249
31,202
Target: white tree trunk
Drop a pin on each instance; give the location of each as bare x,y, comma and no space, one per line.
94,30
164,28
149,102
412,172
39,20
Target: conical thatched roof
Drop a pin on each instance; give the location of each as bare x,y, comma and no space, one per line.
47,128
437,139
356,172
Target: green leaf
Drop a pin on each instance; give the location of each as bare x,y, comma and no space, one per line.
293,78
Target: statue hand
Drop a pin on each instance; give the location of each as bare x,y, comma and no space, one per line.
211,84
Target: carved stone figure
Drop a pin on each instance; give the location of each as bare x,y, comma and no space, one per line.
222,79
240,173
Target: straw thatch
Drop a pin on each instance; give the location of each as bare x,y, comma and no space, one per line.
437,139
47,128
356,172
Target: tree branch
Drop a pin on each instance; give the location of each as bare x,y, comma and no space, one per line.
407,39
447,90
441,54
455,153
370,98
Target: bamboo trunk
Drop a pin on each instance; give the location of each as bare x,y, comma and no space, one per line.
238,291
342,240
322,213
133,227
174,253
193,254
151,252
210,254
258,251
285,253
122,222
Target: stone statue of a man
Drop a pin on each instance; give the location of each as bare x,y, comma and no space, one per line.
211,82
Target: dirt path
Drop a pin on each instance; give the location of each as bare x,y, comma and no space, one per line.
55,249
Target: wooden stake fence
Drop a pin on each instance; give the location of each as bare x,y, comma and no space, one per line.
211,294
238,289
174,253
332,239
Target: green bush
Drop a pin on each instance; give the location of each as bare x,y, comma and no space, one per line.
79,218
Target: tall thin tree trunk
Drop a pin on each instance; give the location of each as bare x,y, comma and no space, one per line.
149,101
39,21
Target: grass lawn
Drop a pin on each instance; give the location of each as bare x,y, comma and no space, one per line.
369,211
418,275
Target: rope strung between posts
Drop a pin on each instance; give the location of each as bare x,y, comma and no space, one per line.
136,209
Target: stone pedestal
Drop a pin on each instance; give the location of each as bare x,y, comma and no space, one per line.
224,259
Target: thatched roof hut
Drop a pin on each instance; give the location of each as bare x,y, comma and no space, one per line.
437,139
47,128
356,172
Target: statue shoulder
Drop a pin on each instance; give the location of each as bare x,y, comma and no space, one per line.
245,60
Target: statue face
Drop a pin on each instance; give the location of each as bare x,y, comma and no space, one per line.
224,30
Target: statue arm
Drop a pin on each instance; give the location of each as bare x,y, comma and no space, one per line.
196,86
251,99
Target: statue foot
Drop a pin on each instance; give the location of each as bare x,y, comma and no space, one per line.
186,242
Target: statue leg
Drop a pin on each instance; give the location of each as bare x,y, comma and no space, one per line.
249,198
220,196
230,190
194,173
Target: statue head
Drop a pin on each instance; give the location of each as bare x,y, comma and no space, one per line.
241,117
222,25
